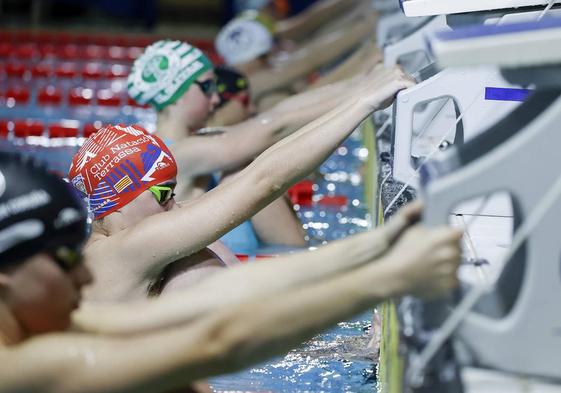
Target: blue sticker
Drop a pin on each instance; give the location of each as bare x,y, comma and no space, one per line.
507,94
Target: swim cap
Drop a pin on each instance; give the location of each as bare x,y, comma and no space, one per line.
245,38
230,83
117,164
38,211
165,71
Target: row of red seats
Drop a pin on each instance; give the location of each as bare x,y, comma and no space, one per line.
64,129
23,128
95,71
69,52
63,38
53,96
92,71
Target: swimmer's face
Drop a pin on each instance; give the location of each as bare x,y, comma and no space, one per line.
196,105
42,295
146,205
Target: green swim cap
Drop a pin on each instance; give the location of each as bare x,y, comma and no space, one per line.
165,71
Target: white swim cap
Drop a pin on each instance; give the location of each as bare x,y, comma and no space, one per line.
244,38
165,71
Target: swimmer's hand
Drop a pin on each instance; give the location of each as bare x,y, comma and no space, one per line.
403,219
383,85
426,260
383,237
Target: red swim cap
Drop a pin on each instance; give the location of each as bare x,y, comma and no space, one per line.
117,164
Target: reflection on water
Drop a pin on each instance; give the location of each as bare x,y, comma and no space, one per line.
335,361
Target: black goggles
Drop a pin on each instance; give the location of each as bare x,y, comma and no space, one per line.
67,258
208,87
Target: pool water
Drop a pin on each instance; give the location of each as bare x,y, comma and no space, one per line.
334,361
337,360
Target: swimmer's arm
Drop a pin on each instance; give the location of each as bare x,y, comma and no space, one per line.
228,340
278,224
180,232
364,58
245,283
310,58
242,142
301,25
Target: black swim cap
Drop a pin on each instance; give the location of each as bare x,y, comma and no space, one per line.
38,211
229,83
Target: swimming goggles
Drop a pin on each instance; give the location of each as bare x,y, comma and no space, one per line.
241,97
163,194
208,87
65,257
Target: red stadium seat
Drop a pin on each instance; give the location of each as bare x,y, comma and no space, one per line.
42,70
49,95
134,52
91,128
20,94
95,52
15,69
93,71
6,49
66,70
117,53
80,96
132,102
49,50
27,51
25,128
106,97
69,52
4,129
64,130
117,71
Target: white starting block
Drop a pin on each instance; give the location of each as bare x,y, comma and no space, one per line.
517,326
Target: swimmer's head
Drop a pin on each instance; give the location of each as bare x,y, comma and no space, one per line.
245,38
38,211
117,165
43,225
232,86
235,101
166,71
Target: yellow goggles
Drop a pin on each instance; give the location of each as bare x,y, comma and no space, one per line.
163,194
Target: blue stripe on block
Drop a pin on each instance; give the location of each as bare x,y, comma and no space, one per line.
506,94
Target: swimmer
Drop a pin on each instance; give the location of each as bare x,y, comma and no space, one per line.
277,223
301,26
246,43
141,236
164,344
184,99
